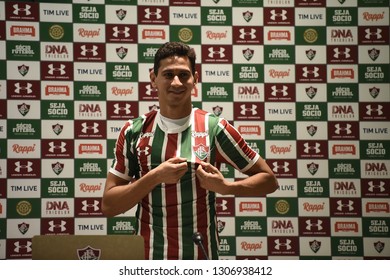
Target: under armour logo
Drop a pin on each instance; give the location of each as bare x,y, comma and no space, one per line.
339,128
276,90
93,127
313,71
118,109
380,187
85,50
60,70
214,52
22,8
371,109
86,205
286,244
315,147
26,87
53,146
275,14
53,226
341,205
223,204
283,167
251,109
314,224
125,31
370,33
247,34
156,13
23,246
27,166
337,52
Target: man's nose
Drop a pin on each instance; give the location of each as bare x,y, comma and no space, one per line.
176,80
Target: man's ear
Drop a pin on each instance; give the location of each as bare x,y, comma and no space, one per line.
152,77
196,77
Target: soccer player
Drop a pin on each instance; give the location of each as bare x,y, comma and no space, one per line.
166,162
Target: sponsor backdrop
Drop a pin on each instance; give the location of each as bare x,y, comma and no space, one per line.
306,82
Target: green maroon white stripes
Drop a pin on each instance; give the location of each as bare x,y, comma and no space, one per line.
171,213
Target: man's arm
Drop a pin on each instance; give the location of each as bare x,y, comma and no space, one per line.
120,195
260,181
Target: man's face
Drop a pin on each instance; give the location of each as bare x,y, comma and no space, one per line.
174,82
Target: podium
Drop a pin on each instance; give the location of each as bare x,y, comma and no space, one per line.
88,247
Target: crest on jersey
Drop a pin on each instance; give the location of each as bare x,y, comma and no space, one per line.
201,151
88,253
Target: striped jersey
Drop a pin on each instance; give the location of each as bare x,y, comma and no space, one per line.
169,215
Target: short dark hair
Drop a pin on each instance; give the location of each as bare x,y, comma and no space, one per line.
171,49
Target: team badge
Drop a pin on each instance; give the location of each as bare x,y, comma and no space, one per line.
57,167
310,54
23,69
312,130
23,227
121,52
374,92
248,54
379,246
315,245
311,92
57,128
89,253
217,110
312,168
24,109
221,226
201,151
247,16
374,53
121,14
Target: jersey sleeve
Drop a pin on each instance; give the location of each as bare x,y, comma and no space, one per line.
232,147
120,164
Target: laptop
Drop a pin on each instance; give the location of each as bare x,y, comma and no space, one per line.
88,247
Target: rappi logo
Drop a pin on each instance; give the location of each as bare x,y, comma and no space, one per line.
248,246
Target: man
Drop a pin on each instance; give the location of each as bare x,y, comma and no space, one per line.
166,163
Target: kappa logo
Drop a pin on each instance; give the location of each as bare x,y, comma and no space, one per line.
89,253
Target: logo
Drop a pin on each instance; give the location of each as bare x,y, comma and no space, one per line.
185,35
56,32
23,208
310,35
282,206
57,167
88,253
201,151
23,69
315,245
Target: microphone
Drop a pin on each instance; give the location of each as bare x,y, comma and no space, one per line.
198,240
